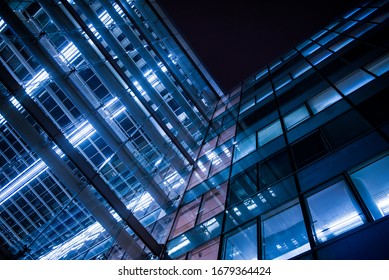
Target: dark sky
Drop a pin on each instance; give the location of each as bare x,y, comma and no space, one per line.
233,39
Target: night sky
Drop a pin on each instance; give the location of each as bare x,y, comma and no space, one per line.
234,39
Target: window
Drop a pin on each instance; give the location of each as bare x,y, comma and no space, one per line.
354,81
309,149
333,212
243,185
247,105
284,234
245,147
186,218
269,133
296,117
273,170
345,128
372,182
214,202
242,245
323,100
341,44
379,66
208,251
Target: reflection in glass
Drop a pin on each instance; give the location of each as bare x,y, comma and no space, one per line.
380,65
297,116
269,133
245,147
323,100
372,183
242,245
284,234
333,212
247,105
353,82
186,218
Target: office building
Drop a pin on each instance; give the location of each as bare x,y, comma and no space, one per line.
117,144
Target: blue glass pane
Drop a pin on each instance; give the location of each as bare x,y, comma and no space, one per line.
284,235
333,212
341,44
245,147
323,100
247,105
300,69
242,245
353,81
346,26
351,12
317,35
311,49
361,15
372,183
297,116
260,203
317,58
263,94
328,38
380,65
269,133
194,237
362,30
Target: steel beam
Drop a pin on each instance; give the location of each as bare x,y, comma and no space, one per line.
56,135
182,132
153,43
110,81
127,80
62,171
65,80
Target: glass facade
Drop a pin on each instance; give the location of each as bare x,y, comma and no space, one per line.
117,144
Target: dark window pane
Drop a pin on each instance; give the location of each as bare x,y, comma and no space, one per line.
309,149
375,109
345,128
273,170
243,185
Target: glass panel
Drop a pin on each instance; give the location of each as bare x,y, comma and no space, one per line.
379,66
372,183
353,82
208,251
311,49
345,128
309,149
323,100
333,212
256,205
245,147
263,94
186,218
327,38
319,57
297,116
269,133
284,234
247,105
214,202
273,169
242,245
339,45
243,185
